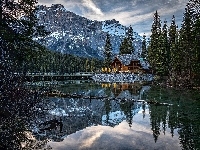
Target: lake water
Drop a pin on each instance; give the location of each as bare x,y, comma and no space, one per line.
167,119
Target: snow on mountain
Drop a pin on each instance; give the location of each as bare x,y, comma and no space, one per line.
74,34
114,28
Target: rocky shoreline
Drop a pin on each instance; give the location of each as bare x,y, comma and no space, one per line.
122,77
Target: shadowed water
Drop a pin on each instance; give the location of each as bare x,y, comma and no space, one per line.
166,119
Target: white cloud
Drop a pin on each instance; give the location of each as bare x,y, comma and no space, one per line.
138,13
90,5
86,143
105,137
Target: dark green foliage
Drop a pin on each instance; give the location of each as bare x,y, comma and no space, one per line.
154,52
182,114
107,52
126,46
176,52
56,62
189,40
107,106
165,50
16,50
194,6
130,47
186,41
127,109
196,47
25,55
144,48
16,34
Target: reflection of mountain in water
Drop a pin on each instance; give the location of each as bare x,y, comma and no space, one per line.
181,115
78,114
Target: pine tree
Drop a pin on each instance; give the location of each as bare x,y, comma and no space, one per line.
130,38
176,56
15,41
154,47
126,46
186,41
196,46
107,52
16,34
123,49
164,58
144,48
194,6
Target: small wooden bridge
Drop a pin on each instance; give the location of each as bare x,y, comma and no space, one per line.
58,77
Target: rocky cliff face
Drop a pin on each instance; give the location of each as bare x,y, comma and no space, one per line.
73,34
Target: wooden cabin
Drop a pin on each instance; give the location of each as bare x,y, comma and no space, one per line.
126,64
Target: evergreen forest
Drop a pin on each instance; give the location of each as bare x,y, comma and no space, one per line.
173,53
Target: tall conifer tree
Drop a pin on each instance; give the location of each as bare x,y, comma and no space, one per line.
194,6
126,46
107,52
196,47
130,40
186,41
144,48
175,63
164,58
166,49
154,48
123,49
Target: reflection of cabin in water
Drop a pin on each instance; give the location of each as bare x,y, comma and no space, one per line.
127,63
133,88
117,88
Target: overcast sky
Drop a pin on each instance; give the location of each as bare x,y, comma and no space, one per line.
138,13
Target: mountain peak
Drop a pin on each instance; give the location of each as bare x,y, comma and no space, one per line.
73,34
57,6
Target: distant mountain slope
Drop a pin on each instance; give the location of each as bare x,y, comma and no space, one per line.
73,34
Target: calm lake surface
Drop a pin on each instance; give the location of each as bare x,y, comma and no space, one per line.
118,116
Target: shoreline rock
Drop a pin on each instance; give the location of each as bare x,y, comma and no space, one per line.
122,77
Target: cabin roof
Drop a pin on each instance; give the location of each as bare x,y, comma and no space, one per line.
126,59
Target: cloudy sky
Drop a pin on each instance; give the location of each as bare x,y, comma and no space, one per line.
138,13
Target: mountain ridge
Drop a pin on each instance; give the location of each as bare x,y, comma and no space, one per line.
77,35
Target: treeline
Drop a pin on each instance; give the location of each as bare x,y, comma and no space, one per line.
19,53
41,60
174,52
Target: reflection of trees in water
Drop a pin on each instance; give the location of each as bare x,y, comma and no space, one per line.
189,124
158,116
183,115
127,108
107,107
18,108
